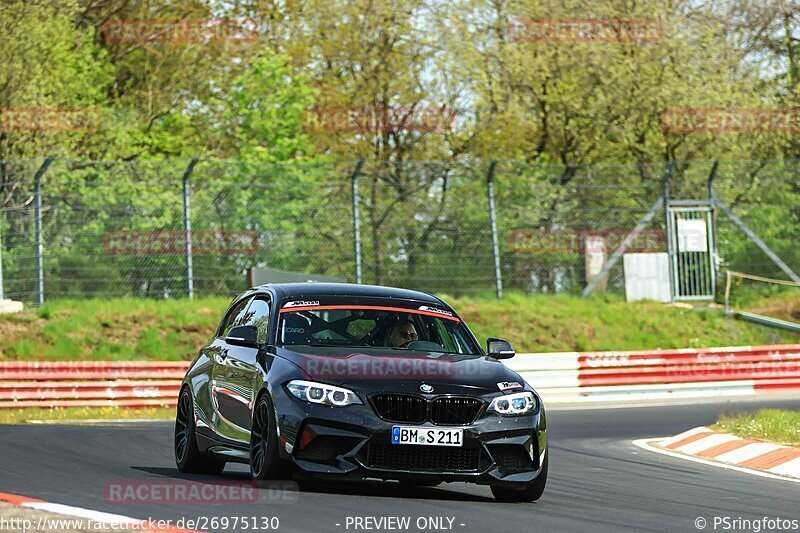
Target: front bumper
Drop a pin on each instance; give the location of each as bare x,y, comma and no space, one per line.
353,442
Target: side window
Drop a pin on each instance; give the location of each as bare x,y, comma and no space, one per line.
258,315
235,317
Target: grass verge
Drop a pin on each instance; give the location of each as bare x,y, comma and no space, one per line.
773,425
545,323
139,329
22,416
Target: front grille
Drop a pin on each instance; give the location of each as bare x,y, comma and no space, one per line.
401,407
423,458
455,410
416,409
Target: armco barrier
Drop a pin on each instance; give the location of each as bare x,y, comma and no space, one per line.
558,377
90,384
661,374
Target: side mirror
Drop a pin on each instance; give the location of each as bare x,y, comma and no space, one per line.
499,349
243,336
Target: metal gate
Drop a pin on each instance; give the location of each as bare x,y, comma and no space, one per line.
690,242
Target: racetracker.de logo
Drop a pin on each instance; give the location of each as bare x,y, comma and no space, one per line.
179,491
360,366
733,120
576,242
597,30
50,120
200,31
379,119
172,242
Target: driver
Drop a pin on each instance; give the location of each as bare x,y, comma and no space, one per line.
402,333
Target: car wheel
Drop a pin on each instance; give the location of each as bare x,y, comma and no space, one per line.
529,492
265,462
187,455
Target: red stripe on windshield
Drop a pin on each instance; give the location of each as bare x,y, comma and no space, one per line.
370,308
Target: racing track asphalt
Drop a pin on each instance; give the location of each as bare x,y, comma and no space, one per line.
598,480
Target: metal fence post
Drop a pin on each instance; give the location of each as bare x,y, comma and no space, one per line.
187,228
356,219
493,219
665,196
2,216
1,254
37,179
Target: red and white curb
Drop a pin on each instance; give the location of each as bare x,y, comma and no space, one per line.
119,521
704,445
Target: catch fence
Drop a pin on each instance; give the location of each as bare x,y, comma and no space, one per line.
74,229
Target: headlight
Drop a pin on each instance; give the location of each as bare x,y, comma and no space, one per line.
520,403
320,393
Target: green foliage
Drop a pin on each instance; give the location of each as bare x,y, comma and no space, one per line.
545,101
46,63
121,329
266,110
551,106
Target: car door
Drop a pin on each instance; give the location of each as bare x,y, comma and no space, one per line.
207,418
235,375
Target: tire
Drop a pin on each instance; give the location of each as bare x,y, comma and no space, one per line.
265,461
529,492
187,455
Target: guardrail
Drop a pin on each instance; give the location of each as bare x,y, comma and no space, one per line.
661,374
559,377
90,384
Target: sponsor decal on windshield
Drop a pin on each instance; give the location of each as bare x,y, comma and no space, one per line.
301,303
315,306
435,310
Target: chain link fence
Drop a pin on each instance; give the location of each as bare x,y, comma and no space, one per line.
75,229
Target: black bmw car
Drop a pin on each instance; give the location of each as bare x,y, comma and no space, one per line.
355,381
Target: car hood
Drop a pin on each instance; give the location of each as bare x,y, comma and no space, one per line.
371,370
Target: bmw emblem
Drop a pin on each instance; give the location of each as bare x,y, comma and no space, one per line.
425,388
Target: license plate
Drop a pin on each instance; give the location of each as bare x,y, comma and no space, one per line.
427,436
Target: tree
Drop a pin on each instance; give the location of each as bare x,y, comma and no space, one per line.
48,67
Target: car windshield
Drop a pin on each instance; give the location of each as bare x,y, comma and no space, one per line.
421,328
